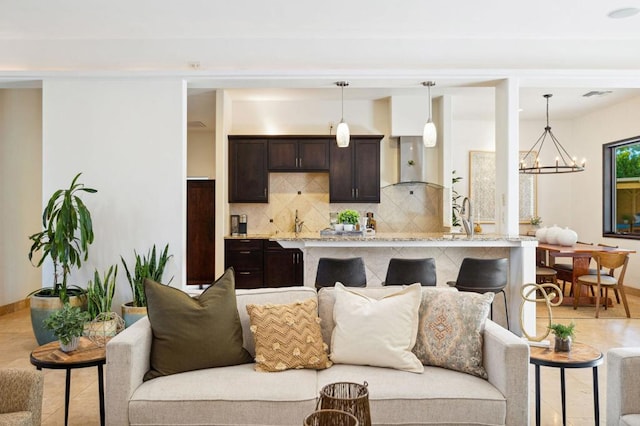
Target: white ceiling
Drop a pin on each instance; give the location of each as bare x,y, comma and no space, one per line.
566,47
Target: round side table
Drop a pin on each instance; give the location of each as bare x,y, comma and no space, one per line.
88,354
580,356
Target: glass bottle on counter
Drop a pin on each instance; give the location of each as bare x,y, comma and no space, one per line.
371,222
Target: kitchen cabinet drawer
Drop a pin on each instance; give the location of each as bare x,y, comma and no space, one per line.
244,244
245,259
248,279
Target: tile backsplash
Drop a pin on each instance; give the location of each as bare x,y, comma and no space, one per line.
415,207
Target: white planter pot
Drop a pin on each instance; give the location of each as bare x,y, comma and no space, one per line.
71,346
348,226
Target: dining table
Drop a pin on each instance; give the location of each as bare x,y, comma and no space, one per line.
580,254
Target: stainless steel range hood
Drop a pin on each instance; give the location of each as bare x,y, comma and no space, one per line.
410,159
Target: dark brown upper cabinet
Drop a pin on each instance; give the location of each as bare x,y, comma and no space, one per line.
298,154
354,171
248,171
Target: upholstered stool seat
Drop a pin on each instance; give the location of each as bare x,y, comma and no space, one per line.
545,275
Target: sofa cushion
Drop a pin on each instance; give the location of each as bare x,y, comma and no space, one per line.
288,336
450,330
437,396
234,395
194,333
263,296
379,332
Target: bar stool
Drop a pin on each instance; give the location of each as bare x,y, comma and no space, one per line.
410,271
350,272
484,275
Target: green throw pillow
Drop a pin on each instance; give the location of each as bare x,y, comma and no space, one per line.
194,333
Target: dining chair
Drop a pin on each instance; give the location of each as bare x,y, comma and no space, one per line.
350,272
484,275
410,271
605,280
564,272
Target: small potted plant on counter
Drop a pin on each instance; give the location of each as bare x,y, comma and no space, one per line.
67,324
564,335
349,218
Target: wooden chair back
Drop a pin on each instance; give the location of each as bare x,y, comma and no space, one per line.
612,261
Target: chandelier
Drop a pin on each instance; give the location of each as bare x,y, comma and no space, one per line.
565,163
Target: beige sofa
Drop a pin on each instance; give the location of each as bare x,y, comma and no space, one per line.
623,387
238,395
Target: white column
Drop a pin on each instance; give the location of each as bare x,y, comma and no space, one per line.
507,148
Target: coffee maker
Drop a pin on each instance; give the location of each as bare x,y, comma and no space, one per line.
242,225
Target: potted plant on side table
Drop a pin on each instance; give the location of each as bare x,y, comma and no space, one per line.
146,266
65,238
67,325
564,335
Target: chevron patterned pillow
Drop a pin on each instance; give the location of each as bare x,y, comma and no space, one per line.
288,336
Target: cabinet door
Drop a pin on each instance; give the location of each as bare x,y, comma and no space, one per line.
283,154
283,268
341,174
248,173
367,171
313,154
201,219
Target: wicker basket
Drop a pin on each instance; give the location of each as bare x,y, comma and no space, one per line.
330,418
350,397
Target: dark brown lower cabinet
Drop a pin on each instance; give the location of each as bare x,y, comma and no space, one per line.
282,267
262,263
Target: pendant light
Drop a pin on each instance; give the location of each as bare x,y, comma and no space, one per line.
429,134
342,132
565,163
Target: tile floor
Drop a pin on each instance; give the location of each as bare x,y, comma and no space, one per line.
17,341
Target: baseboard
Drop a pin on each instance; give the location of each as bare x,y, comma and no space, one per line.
14,307
632,291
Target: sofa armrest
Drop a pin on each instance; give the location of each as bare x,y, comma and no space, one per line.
128,356
623,383
506,359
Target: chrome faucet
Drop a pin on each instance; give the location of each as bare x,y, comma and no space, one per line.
466,217
297,226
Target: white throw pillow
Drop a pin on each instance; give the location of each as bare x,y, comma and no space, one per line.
379,332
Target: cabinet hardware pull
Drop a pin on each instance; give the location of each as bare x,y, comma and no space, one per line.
300,162
244,273
357,192
245,252
352,193
265,192
245,241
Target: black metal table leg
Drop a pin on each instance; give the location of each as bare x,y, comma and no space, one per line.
101,394
564,397
537,395
596,398
67,391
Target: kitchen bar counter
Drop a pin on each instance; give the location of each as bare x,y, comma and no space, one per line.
448,250
314,239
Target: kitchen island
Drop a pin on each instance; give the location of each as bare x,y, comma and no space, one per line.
448,250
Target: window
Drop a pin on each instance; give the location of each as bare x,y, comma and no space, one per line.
621,191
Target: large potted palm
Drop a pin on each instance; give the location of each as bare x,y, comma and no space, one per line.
65,238
147,266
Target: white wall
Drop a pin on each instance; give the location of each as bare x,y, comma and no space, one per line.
128,137
20,190
591,132
201,156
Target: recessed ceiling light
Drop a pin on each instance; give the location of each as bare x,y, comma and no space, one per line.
625,12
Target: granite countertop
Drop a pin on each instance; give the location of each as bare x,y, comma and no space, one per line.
394,236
